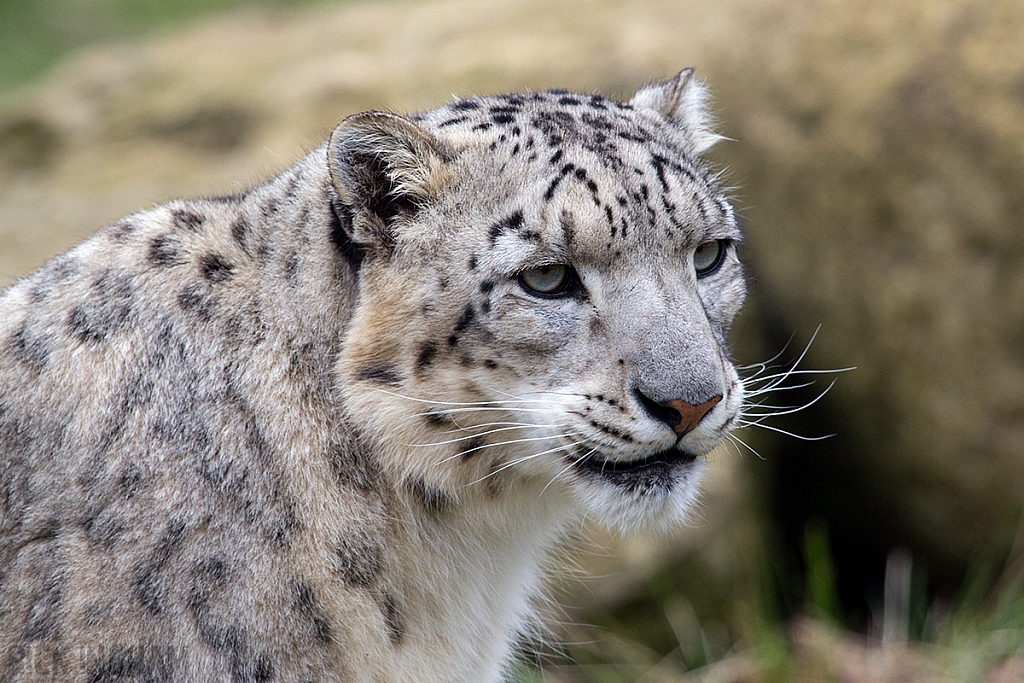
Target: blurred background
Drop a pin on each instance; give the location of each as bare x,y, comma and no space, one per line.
877,151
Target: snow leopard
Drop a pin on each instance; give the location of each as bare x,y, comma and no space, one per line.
331,428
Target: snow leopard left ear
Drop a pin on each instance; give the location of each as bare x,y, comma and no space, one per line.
684,101
385,167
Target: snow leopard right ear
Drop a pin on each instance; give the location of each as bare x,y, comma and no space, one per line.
682,100
385,167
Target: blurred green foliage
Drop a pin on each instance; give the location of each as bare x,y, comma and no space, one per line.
36,34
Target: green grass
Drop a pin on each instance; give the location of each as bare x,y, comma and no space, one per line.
36,34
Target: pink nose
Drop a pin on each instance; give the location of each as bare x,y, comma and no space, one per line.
690,414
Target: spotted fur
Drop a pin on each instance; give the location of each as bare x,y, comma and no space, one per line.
325,430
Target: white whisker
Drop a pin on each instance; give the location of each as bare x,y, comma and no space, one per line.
478,435
783,431
518,461
461,403
495,445
736,439
566,469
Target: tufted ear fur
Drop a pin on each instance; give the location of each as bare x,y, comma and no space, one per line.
385,167
684,101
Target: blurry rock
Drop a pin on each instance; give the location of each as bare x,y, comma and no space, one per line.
882,164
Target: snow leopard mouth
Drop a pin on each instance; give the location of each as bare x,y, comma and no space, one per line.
659,469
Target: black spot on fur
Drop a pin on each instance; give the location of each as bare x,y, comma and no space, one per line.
119,231
463,105
570,101
308,606
106,313
355,465
490,364
130,481
29,349
438,418
240,232
470,448
481,126
130,666
502,119
44,618
192,299
472,262
52,275
453,121
466,319
392,618
150,580
162,252
214,268
511,223
432,499
187,220
103,529
426,355
382,373
486,286
360,559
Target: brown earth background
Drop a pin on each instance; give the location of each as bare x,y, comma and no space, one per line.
877,149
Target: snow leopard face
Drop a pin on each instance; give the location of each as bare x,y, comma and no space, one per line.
546,286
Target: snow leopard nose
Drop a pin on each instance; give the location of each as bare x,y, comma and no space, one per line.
680,415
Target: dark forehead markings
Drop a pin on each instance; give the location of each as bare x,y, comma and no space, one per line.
568,225
472,261
481,126
550,192
611,220
659,170
465,105
512,222
699,203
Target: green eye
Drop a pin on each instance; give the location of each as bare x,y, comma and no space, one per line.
548,281
708,257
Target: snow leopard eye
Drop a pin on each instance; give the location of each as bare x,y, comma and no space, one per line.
708,257
551,281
